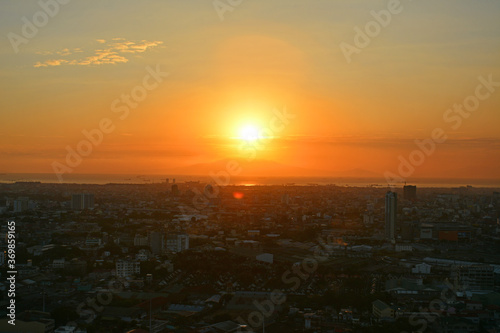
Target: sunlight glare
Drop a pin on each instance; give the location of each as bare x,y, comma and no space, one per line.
249,133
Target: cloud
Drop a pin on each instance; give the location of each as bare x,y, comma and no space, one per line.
114,52
63,52
56,62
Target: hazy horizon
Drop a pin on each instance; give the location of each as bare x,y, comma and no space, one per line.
101,179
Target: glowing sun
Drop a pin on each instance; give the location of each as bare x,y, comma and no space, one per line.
249,133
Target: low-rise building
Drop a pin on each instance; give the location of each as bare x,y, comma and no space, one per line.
381,310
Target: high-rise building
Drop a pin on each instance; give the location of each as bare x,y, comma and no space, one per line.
410,192
391,205
175,190
285,199
177,242
82,201
156,242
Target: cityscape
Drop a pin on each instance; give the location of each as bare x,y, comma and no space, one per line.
312,258
223,166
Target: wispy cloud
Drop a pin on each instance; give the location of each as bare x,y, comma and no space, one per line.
63,52
114,51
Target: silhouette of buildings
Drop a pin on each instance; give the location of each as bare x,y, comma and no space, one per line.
391,204
82,201
410,192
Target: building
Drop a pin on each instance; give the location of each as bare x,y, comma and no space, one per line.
141,240
477,277
382,310
93,242
427,231
175,189
126,268
457,324
368,219
452,232
177,242
223,327
422,268
391,205
285,199
409,230
410,192
75,267
403,248
58,263
156,242
69,329
265,257
253,233
142,255
82,201
21,205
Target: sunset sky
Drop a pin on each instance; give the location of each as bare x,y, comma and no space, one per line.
228,78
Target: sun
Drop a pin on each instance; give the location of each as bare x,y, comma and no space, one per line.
249,133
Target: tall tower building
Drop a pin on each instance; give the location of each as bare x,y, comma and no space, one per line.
410,192
391,205
175,190
156,242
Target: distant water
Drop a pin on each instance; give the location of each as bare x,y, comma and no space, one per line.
148,179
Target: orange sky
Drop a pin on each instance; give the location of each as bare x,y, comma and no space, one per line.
225,75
